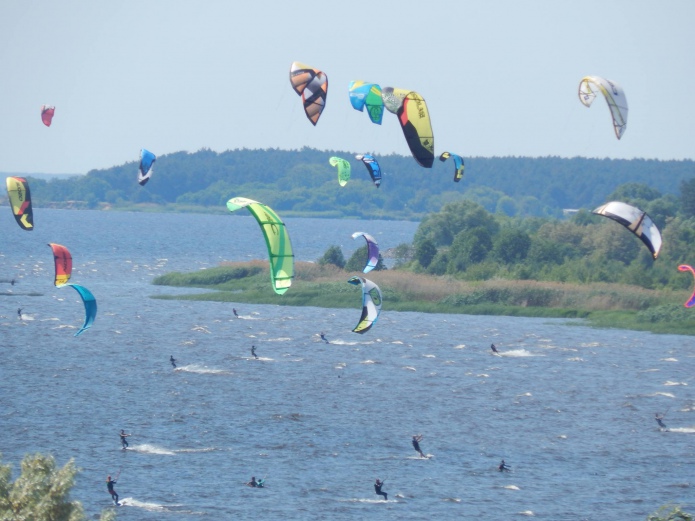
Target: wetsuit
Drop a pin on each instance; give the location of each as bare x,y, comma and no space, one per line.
324,338
503,466
235,313
124,442
377,489
173,361
661,423
416,446
253,351
109,485
494,349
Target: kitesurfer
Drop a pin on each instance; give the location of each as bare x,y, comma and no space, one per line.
659,419
323,337
494,349
254,483
173,361
235,313
503,466
416,444
253,352
109,485
19,313
124,442
377,488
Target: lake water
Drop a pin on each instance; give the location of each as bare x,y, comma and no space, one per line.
570,408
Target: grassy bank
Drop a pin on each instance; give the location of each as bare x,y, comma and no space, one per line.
603,305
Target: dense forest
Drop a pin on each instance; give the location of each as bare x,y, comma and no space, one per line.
301,182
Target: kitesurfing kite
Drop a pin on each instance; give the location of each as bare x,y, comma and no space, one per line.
393,98
312,85
458,164
691,301
47,113
589,88
368,94
63,263
343,169
90,306
276,238
371,304
417,129
372,166
372,251
145,171
20,201
635,220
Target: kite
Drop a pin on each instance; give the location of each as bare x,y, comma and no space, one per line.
372,166
372,251
371,304
458,164
393,98
635,220
312,85
63,264
147,160
20,200
276,238
47,113
368,94
417,129
90,306
691,301
343,169
589,88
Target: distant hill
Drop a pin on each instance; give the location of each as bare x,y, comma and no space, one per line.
301,182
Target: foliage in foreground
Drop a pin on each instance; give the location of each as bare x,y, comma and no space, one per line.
668,513
41,492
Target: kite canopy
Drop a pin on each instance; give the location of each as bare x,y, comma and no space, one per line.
90,306
372,251
276,238
343,169
20,201
312,85
417,129
369,94
47,113
458,164
635,220
371,304
589,88
393,98
145,171
691,301
63,263
372,166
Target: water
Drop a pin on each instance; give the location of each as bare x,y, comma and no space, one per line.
570,408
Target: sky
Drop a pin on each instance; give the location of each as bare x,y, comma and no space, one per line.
500,77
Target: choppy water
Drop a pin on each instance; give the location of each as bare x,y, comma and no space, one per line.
570,408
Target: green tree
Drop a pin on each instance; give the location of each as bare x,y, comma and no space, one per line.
511,245
688,197
41,492
424,252
333,255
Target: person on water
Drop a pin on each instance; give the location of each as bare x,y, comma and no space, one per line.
19,313
377,488
503,466
323,337
254,483
494,349
235,313
416,444
660,420
124,442
173,361
109,486
253,352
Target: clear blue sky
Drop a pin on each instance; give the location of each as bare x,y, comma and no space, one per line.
500,76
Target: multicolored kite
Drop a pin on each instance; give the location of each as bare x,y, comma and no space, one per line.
63,263
312,85
47,113
20,200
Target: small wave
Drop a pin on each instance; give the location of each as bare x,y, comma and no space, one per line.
684,430
363,500
517,353
525,394
281,339
460,346
409,368
575,359
429,356
670,383
669,359
667,395
511,487
368,362
202,329
397,342
528,513
200,370
151,449
152,507
452,499
590,344
204,449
